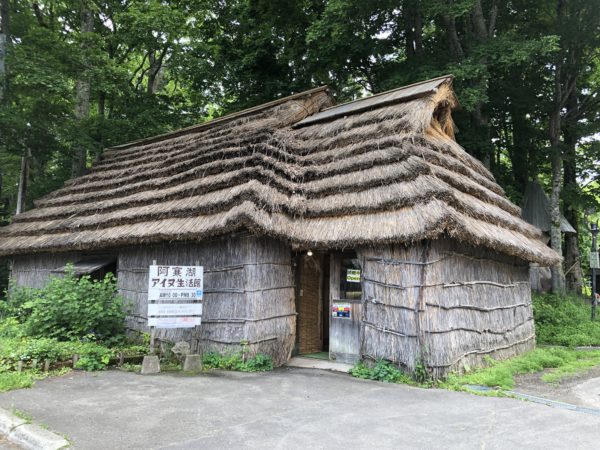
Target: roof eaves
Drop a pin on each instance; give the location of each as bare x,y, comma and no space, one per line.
398,95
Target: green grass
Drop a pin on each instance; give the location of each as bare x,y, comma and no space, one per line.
16,380
237,362
19,380
584,361
128,367
381,371
22,415
500,374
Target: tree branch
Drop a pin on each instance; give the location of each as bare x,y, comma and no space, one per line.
39,15
493,18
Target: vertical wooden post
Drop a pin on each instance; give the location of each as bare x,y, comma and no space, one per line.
151,363
195,330
335,267
152,329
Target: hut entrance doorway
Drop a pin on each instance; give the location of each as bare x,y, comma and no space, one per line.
328,303
312,300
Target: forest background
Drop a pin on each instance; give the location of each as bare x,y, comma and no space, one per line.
77,76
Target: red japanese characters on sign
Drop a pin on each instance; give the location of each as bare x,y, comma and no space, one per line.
174,294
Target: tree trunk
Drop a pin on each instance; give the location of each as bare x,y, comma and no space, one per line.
413,29
23,179
520,148
483,34
82,104
156,70
4,43
456,49
574,274
101,116
558,277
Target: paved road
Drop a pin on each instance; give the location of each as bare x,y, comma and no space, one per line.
289,409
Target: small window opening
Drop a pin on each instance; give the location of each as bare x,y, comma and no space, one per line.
350,279
96,268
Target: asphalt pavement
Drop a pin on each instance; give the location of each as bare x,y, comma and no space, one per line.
288,408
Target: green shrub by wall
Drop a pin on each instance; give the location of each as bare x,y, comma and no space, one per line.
70,308
564,320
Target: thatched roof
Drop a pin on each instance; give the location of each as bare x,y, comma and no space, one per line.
378,170
536,209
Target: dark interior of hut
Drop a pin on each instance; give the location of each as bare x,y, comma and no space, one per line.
328,294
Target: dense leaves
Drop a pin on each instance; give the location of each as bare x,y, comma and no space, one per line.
564,321
70,308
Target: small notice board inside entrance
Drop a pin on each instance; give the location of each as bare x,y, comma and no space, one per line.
175,295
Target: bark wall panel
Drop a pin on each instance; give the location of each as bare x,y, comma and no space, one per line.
248,293
444,304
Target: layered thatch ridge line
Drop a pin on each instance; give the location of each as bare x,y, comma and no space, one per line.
391,174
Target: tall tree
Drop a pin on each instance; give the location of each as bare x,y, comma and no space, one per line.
83,88
577,26
4,43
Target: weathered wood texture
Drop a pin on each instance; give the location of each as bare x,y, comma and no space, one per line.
445,305
310,313
34,270
540,278
248,293
344,334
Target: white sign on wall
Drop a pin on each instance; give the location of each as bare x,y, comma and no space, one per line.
175,296
173,322
176,282
175,309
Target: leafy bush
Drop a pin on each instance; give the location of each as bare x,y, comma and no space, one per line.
70,308
13,350
235,361
93,357
260,363
564,320
381,371
11,328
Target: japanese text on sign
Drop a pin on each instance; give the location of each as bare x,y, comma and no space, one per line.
176,282
353,275
175,296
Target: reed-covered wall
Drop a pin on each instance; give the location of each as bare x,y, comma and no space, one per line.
445,305
248,293
34,270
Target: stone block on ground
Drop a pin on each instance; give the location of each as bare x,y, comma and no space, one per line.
193,363
150,365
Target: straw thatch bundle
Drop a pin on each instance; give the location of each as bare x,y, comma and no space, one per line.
381,170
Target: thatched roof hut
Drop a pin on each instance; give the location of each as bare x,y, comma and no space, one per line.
372,174
387,170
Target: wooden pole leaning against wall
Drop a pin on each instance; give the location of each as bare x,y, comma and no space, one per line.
151,363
